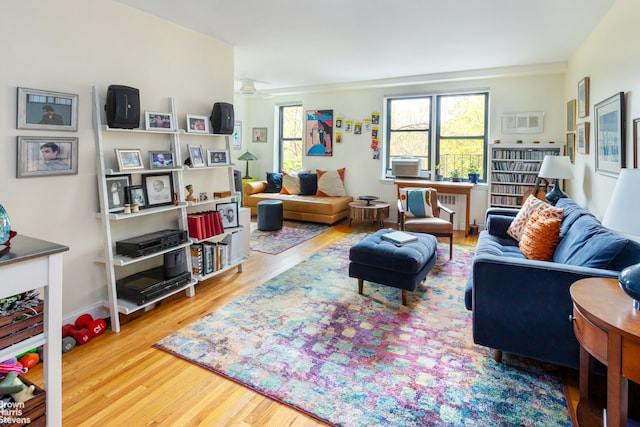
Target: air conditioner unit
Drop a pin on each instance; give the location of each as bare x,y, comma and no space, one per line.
404,167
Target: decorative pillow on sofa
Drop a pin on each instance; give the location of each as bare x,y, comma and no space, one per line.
416,202
274,182
331,183
531,205
308,184
290,183
540,237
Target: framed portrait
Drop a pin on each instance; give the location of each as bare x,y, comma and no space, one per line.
116,197
610,135
136,194
161,159
129,159
217,157
229,214
582,138
259,134
158,121
159,188
571,115
197,124
46,156
46,110
636,133
236,140
571,147
583,98
319,133
196,157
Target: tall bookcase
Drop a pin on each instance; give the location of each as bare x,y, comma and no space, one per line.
117,225
513,169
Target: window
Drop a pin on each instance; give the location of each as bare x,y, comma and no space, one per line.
458,141
291,144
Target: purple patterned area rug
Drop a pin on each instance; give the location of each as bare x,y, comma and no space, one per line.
307,339
292,234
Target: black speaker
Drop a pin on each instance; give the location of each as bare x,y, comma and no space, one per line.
123,107
222,118
175,263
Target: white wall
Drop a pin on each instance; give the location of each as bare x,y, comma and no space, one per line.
69,47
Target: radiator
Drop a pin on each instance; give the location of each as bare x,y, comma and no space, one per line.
456,203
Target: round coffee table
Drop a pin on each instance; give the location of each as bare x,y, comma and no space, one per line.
369,210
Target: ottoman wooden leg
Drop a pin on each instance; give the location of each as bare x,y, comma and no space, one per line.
404,297
360,286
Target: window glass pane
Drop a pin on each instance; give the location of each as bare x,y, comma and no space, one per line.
410,113
291,148
292,122
459,154
409,144
462,115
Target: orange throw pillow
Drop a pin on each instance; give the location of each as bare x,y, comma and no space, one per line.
541,236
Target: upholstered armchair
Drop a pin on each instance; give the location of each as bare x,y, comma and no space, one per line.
434,225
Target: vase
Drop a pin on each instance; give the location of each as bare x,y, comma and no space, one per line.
474,178
5,226
629,280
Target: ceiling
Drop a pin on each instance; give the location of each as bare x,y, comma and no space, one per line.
285,44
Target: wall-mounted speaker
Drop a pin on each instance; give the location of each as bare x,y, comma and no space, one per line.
123,107
222,118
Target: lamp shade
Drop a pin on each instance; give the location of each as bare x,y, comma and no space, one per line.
624,206
556,167
247,156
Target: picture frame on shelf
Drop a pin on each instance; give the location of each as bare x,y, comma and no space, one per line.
129,159
217,157
44,156
47,110
158,188
609,126
582,138
136,194
583,98
571,147
197,124
196,158
158,121
116,195
161,160
236,140
571,115
229,213
259,134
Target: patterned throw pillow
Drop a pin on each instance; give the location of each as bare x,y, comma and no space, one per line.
290,183
331,183
541,237
531,205
416,202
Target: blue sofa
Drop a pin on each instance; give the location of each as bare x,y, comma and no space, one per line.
523,306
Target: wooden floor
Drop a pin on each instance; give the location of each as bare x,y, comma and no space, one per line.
120,379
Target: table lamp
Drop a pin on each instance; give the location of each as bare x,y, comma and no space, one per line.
247,156
622,216
555,167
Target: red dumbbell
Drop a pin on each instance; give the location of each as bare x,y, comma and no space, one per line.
95,327
81,336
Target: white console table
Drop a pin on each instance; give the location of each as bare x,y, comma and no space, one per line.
31,264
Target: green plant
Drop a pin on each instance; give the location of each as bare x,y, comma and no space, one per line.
455,173
473,170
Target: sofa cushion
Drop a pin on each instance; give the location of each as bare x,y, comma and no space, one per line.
541,236
308,184
530,205
331,183
290,183
572,211
498,225
274,182
416,202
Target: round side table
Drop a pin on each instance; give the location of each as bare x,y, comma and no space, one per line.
369,211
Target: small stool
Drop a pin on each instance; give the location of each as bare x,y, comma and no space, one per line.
270,215
403,267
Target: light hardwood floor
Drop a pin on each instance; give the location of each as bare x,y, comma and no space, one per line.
120,379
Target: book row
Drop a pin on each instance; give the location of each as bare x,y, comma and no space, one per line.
207,257
515,167
203,225
523,154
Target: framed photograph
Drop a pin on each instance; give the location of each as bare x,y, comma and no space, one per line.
159,188
609,133
158,121
636,133
583,98
571,147
526,122
236,140
197,124
217,157
259,134
195,156
136,194
571,115
229,213
116,197
161,159
46,156
129,159
46,110
582,138
319,133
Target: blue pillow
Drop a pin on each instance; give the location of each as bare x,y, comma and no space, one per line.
274,182
308,184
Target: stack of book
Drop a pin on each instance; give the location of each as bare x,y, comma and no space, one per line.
203,225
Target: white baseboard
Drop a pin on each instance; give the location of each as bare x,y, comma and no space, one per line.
97,310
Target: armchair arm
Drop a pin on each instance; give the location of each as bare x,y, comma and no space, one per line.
400,216
447,210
